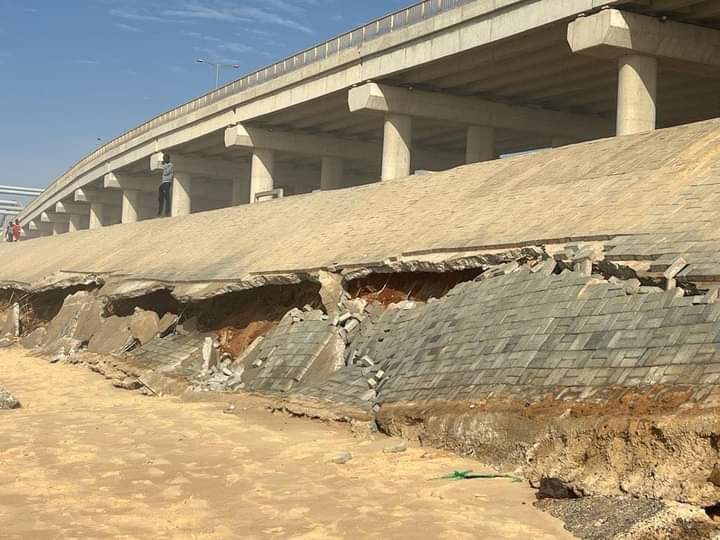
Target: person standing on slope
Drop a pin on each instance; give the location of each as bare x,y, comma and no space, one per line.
165,189
16,231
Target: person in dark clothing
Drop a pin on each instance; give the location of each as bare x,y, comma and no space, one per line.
8,233
165,189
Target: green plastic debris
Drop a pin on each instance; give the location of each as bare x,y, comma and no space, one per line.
469,475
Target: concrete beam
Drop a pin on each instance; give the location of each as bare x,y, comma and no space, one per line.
204,168
612,33
52,217
88,195
117,180
373,97
43,228
300,143
64,207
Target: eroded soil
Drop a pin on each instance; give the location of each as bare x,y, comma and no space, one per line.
84,459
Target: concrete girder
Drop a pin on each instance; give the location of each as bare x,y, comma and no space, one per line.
373,97
663,5
205,168
53,217
516,70
64,207
88,195
117,180
521,83
705,11
43,228
300,143
311,109
334,115
612,33
148,187
571,85
485,56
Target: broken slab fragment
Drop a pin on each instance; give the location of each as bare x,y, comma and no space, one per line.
113,337
167,324
7,400
11,326
79,318
35,339
331,291
144,325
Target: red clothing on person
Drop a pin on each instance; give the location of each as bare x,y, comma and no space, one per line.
16,232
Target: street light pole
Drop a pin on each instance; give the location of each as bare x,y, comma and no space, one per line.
217,66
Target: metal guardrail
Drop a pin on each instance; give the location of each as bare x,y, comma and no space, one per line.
362,34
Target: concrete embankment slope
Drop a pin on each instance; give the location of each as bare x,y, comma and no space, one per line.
662,186
555,313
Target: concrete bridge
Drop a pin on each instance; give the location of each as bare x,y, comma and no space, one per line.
433,86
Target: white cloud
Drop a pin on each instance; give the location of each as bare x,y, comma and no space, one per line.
217,11
127,27
87,62
141,15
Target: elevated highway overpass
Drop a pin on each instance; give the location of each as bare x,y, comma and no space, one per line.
438,84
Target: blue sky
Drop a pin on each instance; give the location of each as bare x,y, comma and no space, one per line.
73,71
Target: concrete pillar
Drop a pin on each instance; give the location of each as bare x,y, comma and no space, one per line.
637,91
480,144
331,173
181,200
240,191
262,172
97,215
397,145
130,206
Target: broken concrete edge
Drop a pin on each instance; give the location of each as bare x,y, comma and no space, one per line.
117,286
56,281
316,408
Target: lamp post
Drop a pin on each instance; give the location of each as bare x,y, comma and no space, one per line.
217,66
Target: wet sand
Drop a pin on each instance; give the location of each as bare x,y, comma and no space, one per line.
82,459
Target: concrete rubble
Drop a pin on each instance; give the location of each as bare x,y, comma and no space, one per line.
7,400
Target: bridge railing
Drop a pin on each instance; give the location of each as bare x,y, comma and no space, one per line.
353,38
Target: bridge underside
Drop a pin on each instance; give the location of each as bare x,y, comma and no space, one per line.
533,90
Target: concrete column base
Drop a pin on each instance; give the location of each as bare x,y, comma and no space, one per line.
262,173
77,222
130,206
397,145
59,228
181,199
331,173
97,215
637,93
480,144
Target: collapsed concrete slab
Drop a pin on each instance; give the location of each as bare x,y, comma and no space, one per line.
113,336
302,346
